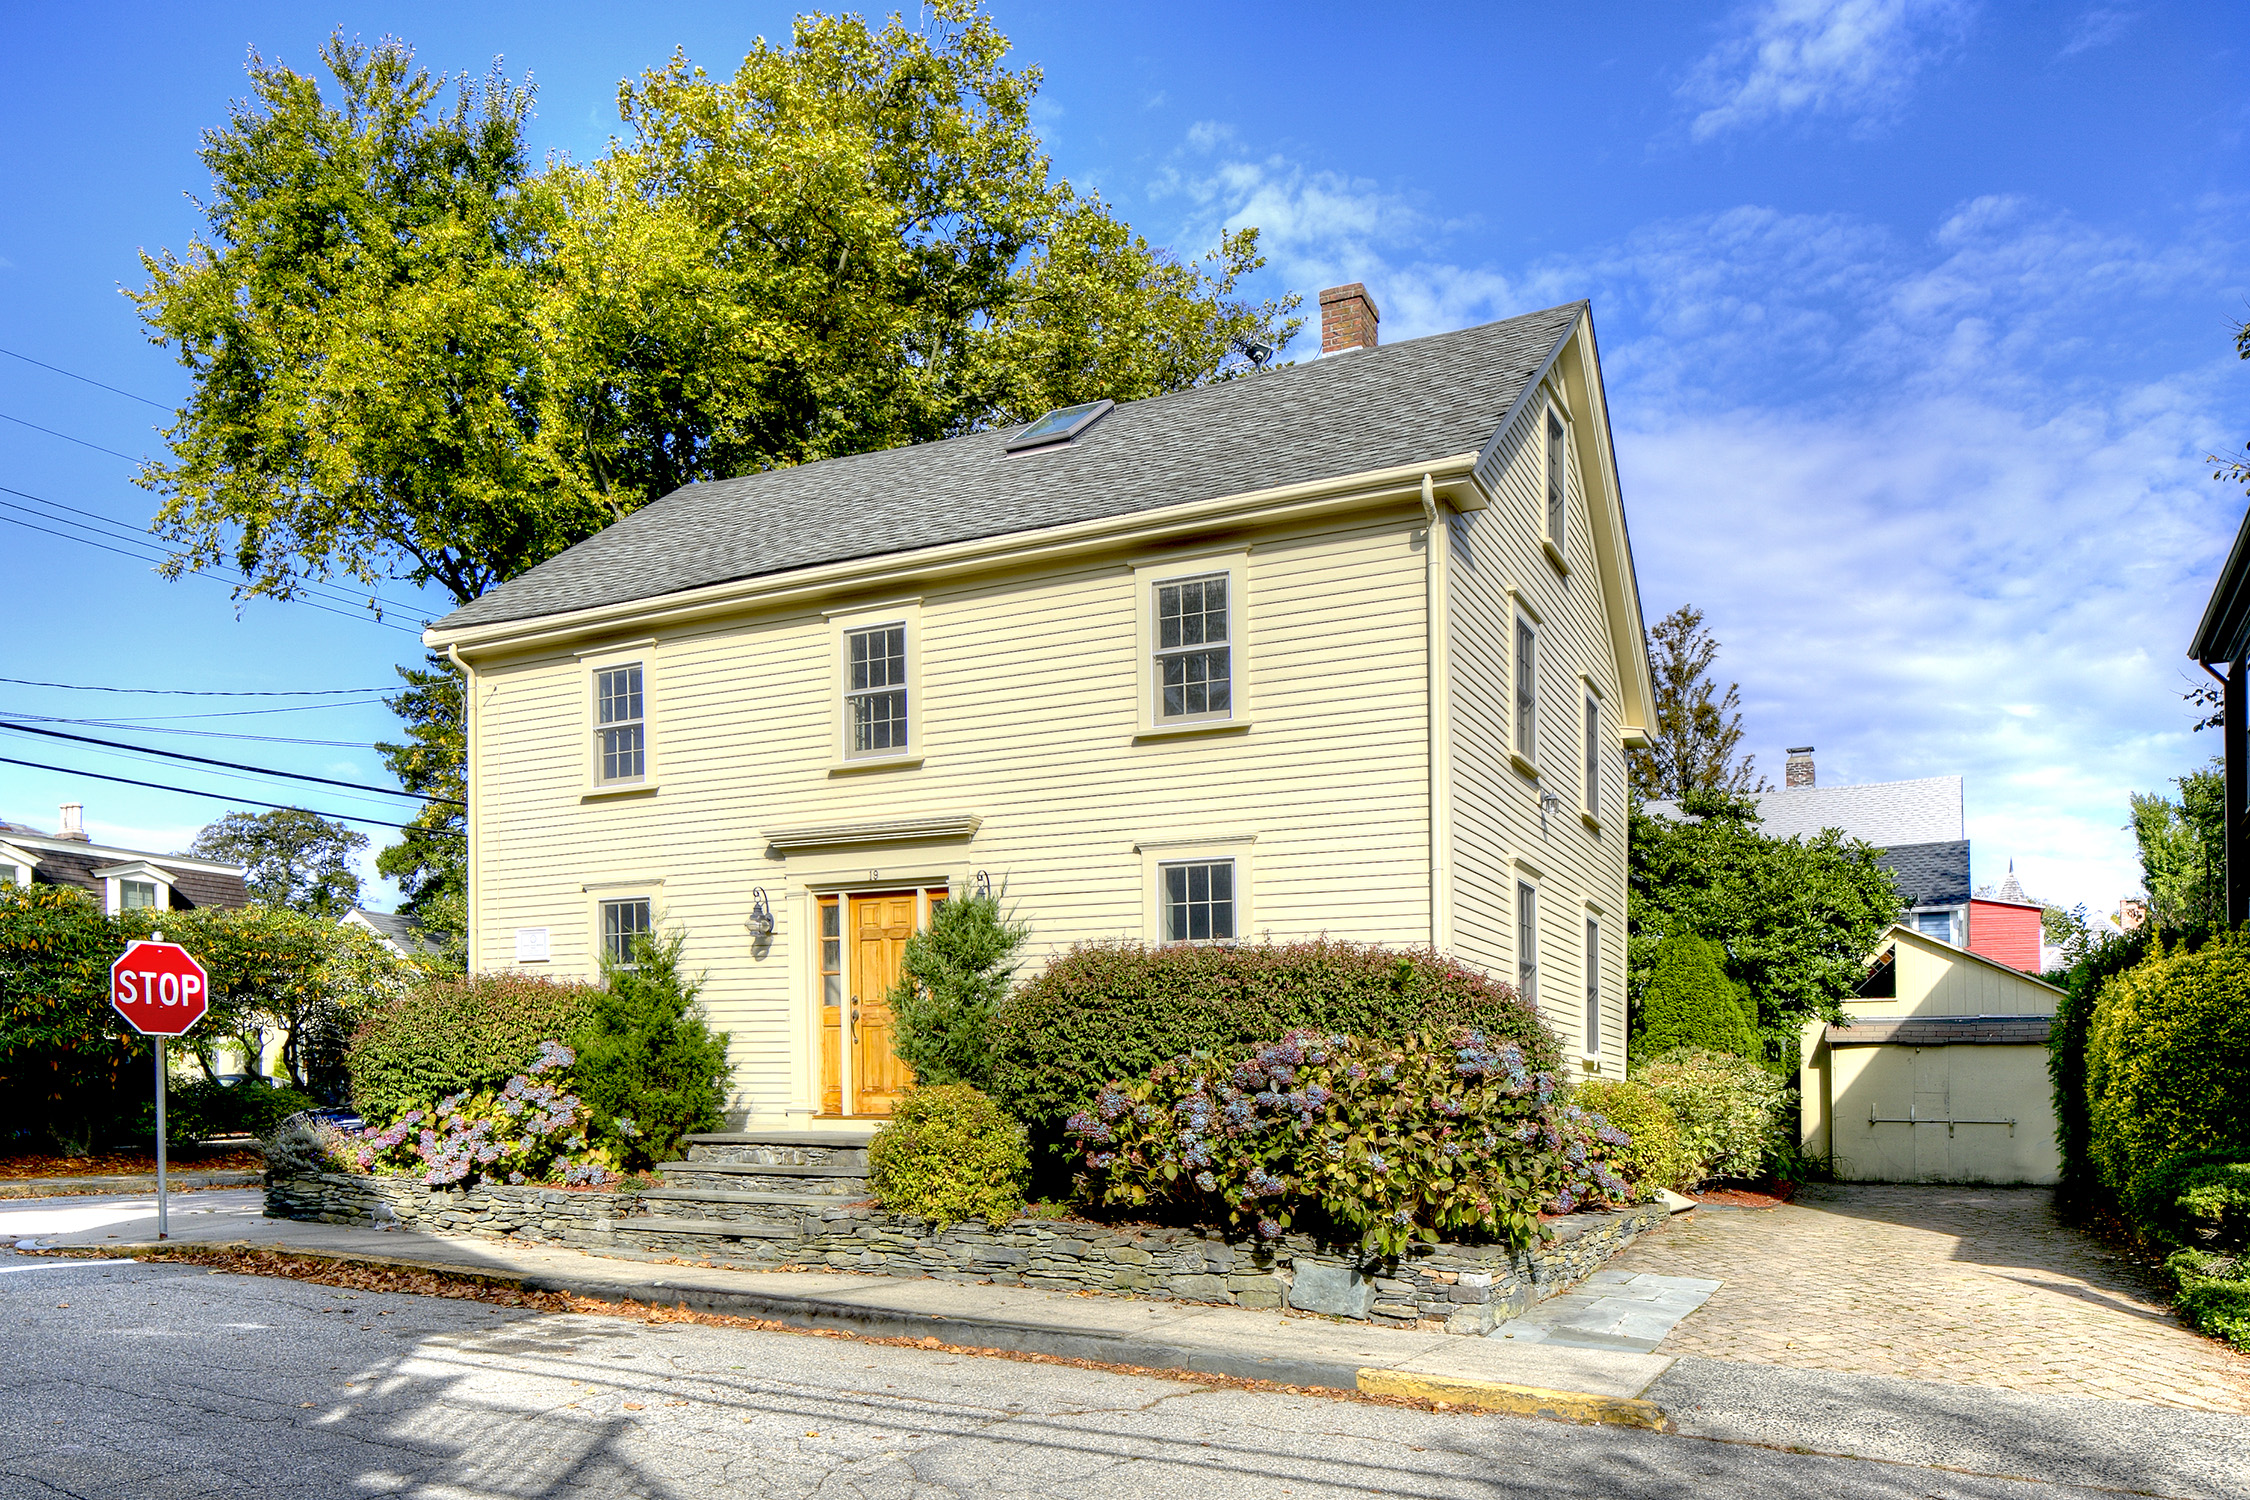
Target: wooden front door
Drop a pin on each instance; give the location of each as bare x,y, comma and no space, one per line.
862,949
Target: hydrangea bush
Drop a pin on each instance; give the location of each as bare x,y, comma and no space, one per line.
527,1130
1396,1142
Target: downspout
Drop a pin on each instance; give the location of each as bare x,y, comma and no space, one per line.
469,795
1437,697
2235,799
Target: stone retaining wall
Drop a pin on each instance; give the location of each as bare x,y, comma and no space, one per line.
1466,1289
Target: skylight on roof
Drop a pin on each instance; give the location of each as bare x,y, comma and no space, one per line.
1059,426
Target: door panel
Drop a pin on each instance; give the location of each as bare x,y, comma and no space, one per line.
879,926
1933,1102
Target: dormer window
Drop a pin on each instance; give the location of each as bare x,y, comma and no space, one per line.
132,895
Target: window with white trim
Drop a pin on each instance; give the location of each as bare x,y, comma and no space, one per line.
1593,988
133,895
1557,475
1527,690
1527,943
620,725
1593,756
623,924
1198,901
875,690
1193,649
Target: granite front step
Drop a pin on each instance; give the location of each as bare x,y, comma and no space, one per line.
713,1229
779,1148
793,1208
825,1178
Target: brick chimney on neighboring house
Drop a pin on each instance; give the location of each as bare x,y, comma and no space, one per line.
1800,771
74,823
1347,319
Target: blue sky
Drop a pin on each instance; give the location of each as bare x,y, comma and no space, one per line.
1916,317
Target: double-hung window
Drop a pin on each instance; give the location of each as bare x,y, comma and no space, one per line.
623,924
1593,757
133,895
1198,901
1557,476
1194,649
1527,690
620,725
875,691
1527,943
1593,988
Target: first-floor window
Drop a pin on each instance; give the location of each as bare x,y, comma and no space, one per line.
1527,943
1198,901
135,894
623,923
1593,988
875,689
620,725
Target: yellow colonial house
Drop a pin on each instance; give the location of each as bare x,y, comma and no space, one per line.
1349,647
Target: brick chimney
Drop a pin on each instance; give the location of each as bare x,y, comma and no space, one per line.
1799,771
1347,319
74,823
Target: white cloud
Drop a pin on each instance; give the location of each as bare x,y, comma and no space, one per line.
2098,27
1856,58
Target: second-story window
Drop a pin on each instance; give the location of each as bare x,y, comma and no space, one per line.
620,725
1527,690
1194,650
1593,757
875,690
1557,475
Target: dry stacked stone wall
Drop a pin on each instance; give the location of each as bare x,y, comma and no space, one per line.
1466,1289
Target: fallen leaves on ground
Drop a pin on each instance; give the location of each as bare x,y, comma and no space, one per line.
128,1164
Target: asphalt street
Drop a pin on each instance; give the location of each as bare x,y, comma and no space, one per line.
126,1381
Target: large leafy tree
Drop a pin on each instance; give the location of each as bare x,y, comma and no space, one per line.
1797,917
428,861
1693,746
2183,849
296,859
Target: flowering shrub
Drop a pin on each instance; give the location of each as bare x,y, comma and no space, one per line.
524,1131
1395,1141
1655,1159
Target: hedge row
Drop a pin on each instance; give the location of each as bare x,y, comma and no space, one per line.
458,1035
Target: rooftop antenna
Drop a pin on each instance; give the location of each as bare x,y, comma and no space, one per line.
1256,351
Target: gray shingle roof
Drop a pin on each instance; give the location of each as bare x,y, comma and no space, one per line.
1929,874
1884,813
1941,1031
1373,409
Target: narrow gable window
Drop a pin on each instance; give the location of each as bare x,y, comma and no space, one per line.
1198,901
1527,690
875,690
1557,490
623,923
1593,757
1527,943
1593,988
1194,650
620,726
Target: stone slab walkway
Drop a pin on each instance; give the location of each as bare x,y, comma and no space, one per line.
1968,1285
1612,1309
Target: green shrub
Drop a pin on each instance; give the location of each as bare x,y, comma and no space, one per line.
1115,1010
2199,1199
1654,1159
2066,1058
454,1035
530,1129
1728,1109
71,1074
1690,1002
2168,1062
1389,1142
949,1153
198,1109
2214,1294
952,978
305,1147
649,1069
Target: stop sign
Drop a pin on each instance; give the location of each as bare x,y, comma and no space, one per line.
158,988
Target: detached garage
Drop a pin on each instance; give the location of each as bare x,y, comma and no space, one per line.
1939,1075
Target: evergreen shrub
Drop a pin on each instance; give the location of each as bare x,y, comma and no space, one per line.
1729,1110
952,978
2168,1062
1116,1010
1390,1142
1690,1002
649,1069
458,1034
1654,1159
948,1154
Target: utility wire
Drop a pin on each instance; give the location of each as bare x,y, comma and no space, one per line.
231,765
66,437
208,734
84,687
156,786
222,713
88,379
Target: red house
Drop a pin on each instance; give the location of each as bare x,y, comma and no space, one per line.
2005,927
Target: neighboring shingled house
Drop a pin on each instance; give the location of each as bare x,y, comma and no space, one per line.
398,933
120,879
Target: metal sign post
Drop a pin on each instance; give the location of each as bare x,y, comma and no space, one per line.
163,1226
163,992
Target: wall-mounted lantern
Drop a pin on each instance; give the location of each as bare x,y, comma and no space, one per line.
984,886
760,920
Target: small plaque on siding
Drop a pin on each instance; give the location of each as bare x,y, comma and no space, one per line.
531,945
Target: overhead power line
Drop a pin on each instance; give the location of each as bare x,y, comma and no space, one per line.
88,379
66,437
87,687
183,791
132,726
230,765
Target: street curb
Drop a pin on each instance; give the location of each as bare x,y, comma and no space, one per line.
76,1187
1000,1334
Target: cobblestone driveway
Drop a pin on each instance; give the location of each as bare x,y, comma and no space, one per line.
1973,1286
